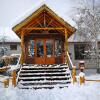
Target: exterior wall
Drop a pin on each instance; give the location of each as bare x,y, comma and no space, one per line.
88,62
9,52
18,51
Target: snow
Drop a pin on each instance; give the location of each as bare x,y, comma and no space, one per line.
81,74
96,76
74,92
89,91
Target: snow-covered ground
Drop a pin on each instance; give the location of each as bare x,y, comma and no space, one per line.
89,91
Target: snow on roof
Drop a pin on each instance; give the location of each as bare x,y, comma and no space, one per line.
81,74
77,38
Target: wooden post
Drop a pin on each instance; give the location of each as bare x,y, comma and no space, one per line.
22,47
14,78
6,83
66,46
74,74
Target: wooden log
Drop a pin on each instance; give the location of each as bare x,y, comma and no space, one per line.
6,83
66,47
46,28
92,80
22,48
14,78
74,74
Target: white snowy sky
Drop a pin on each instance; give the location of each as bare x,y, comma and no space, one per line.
13,11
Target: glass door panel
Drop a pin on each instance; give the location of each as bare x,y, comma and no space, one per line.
58,47
40,48
49,48
31,48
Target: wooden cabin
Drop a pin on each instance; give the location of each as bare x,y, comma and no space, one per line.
44,37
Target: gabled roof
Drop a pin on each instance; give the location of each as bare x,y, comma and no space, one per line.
22,24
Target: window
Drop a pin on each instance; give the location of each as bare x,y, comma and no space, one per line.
13,47
80,51
99,46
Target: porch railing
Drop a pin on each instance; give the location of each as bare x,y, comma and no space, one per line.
20,68
69,61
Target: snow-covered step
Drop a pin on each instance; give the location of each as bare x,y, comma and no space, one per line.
43,68
38,76
43,81
42,86
47,78
54,70
46,66
45,73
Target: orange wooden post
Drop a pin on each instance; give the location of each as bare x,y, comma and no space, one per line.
14,78
22,47
66,47
74,74
6,83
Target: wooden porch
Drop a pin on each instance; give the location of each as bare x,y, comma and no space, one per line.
44,37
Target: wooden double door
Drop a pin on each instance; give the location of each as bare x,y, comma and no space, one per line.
45,51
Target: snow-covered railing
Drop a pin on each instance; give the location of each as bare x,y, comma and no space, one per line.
69,59
18,61
19,73
20,68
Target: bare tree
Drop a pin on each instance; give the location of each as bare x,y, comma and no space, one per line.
3,49
88,24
